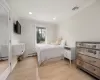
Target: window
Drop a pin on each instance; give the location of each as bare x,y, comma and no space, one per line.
41,34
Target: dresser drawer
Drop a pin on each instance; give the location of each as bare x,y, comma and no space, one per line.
93,61
79,62
99,56
92,69
89,52
81,50
89,67
93,53
93,46
89,45
67,54
79,44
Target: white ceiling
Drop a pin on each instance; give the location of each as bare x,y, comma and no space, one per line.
46,10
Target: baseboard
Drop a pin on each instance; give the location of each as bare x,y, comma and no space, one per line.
37,74
13,66
6,73
29,55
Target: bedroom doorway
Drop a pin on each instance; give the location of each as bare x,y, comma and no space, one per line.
40,35
4,41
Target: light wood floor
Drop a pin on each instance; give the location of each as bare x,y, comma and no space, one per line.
56,70
25,70
3,66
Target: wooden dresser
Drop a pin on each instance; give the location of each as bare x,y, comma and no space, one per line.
88,57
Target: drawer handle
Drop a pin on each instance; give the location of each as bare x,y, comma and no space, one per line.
93,69
92,61
79,57
94,52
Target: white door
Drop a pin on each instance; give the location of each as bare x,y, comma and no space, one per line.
5,41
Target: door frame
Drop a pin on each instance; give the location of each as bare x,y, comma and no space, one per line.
5,74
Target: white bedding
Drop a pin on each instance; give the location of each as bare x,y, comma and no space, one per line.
47,51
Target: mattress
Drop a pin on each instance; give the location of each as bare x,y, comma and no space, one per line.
47,51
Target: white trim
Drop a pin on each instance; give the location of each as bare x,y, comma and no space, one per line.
14,65
5,74
37,74
35,36
46,36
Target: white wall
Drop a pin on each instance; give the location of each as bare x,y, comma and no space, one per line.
84,26
28,33
15,37
14,17
4,34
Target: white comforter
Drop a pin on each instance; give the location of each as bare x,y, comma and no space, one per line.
47,51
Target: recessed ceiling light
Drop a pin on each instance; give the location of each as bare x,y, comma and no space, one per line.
54,18
30,12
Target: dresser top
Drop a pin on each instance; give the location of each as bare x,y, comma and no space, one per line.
88,42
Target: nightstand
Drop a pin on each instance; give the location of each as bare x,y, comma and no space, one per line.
69,53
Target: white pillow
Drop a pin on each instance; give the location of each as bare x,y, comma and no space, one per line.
63,43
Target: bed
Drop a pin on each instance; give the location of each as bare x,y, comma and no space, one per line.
48,51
